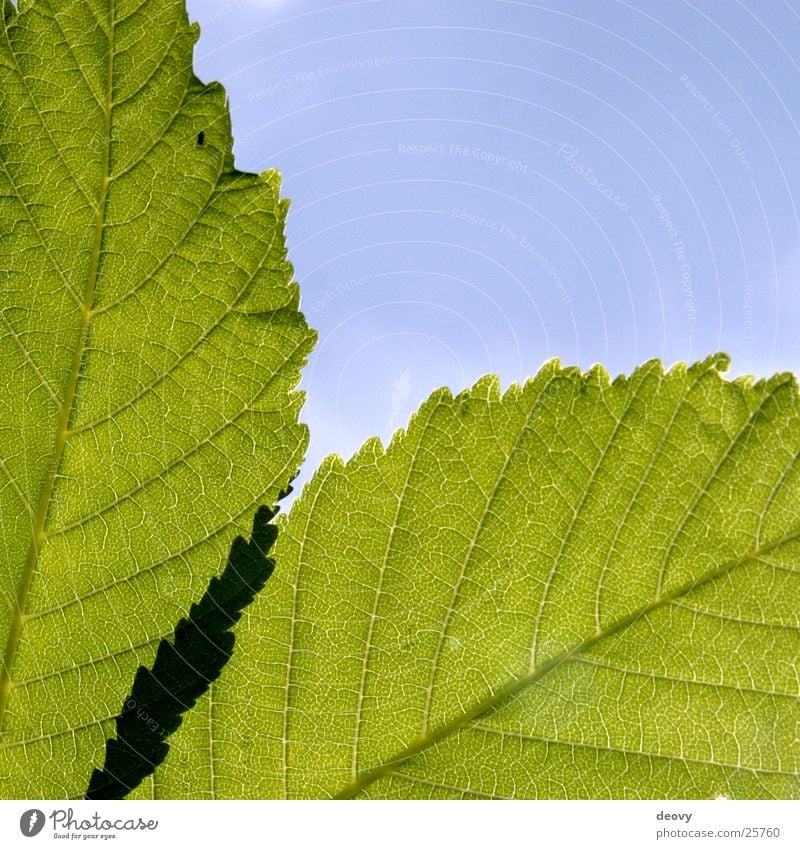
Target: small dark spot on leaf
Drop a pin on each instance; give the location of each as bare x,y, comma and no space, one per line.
201,138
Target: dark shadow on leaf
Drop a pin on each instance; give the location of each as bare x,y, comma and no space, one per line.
184,667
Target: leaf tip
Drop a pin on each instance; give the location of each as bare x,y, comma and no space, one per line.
370,451
599,375
719,361
487,386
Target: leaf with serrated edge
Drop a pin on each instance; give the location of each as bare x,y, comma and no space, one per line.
151,343
579,588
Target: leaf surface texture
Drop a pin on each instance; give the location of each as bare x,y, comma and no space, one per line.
184,667
151,342
578,588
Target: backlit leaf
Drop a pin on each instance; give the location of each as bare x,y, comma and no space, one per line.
578,588
150,343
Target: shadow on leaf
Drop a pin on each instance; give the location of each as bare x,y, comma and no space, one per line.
184,667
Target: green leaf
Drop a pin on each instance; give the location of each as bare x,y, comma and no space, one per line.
151,342
184,667
580,588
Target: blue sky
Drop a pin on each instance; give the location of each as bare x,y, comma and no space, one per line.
480,185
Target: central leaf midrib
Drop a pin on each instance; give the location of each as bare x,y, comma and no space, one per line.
534,676
67,405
